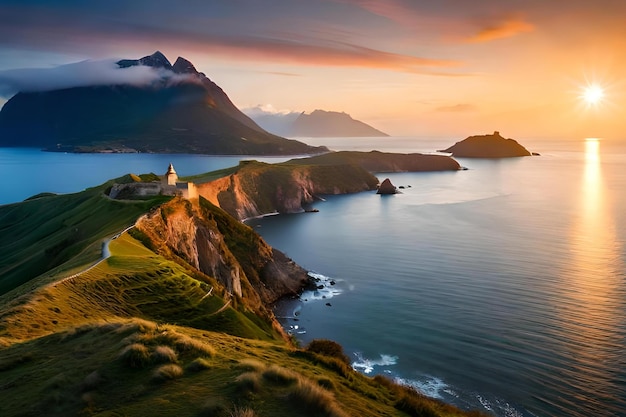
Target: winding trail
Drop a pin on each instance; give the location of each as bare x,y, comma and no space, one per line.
106,253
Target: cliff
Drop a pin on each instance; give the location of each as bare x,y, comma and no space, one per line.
255,188
183,111
211,241
487,146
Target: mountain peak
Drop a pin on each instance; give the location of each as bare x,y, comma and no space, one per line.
156,60
182,66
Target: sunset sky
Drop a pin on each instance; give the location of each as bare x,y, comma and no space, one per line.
408,67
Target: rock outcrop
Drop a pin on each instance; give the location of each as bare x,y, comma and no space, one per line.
487,146
182,112
211,241
386,187
256,188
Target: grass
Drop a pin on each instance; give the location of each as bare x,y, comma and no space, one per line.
64,231
138,336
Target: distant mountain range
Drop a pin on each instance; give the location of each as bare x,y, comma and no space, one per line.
319,123
181,111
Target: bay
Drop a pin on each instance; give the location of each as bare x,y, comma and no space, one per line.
500,288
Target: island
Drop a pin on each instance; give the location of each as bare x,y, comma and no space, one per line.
487,146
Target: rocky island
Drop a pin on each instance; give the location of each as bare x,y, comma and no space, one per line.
487,146
180,111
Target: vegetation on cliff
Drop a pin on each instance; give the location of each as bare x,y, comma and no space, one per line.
255,188
174,321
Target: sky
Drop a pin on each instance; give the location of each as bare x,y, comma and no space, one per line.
450,68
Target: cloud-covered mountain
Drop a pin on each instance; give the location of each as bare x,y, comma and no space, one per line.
146,104
319,123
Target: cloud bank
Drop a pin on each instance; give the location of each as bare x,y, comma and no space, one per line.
81,74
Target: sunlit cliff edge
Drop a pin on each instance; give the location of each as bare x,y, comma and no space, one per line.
161,305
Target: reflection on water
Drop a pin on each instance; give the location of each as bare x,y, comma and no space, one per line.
591,317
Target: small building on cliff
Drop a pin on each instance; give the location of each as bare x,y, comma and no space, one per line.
169,185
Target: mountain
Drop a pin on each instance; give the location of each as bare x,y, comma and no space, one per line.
487,146
181,111
319,123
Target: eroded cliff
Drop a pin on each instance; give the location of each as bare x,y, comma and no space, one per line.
211,241
257,188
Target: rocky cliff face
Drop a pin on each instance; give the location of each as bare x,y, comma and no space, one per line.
257,188
211,241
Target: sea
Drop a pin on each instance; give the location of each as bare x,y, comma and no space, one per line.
501,287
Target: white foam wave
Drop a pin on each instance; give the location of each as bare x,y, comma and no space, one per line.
430,386
366,365
326,288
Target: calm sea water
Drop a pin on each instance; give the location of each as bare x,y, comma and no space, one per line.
501,287
28,171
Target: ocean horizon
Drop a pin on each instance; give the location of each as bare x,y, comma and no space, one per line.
499,288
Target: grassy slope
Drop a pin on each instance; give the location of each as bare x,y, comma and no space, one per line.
137,335
41,234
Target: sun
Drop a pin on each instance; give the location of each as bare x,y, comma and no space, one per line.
592,94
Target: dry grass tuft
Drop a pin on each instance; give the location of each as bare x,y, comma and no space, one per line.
167,372
135,355
249,382
315,398
164,354
242,412
280,376
251,365
214,407
199,364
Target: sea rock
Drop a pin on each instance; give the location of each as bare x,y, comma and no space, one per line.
386,187
487,146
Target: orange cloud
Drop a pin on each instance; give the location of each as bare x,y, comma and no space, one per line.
504,28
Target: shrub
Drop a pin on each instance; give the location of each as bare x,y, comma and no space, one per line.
164,354
328,348
135,355
167,372
198,364
415,405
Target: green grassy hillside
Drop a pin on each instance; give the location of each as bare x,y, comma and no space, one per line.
41,234
144,333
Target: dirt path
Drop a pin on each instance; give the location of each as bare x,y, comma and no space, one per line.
106,253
